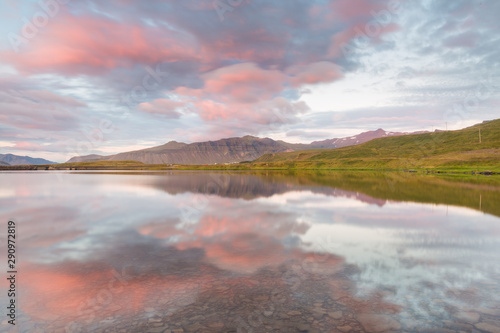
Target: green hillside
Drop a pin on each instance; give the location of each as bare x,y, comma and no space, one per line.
448,150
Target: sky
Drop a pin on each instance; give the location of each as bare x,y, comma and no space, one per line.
79,77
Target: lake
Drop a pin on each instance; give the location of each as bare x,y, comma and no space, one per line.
252,252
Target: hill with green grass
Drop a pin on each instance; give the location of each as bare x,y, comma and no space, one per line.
469,149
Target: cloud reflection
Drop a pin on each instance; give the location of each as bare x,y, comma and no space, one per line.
260,259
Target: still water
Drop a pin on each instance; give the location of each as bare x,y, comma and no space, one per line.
251,252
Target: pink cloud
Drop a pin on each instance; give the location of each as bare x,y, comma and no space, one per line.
50,97
211,110
24,145
241,84
245,253
246,246
72,297
189,92
89,45
315,11
337,13
347,10
340,41
319,72
247,45
161,229
276,111
246,92
245,83
166,107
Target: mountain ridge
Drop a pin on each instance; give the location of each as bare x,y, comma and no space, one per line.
12,159
228,150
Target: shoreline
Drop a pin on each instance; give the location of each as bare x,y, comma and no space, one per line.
233,167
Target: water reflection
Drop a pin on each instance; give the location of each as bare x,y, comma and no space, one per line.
215,252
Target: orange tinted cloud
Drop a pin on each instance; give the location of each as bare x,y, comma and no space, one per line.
90,45
245,82
244,243
162,106
247,91
68,294
161,229
211,110
245,252
318,72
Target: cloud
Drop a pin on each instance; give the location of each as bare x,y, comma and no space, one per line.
349,10
34,145
244,83
247,73
318,72
276,111
38,109
467,40
91,45
244,97
309,135
24,145
64,225
342,43
165,107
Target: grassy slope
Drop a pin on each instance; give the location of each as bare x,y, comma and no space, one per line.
450,150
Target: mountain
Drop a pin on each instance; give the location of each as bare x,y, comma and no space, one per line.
468,148
231,150
23,160
256,186
87,158
354,140
4,163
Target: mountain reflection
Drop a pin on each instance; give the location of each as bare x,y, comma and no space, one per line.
261,252
374,188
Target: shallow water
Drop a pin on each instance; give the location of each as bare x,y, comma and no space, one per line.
261,252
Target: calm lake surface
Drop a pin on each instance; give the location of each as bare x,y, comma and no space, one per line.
259,252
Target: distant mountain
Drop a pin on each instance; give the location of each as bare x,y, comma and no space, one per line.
87,158
23,160
231,150
354,140
4,163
